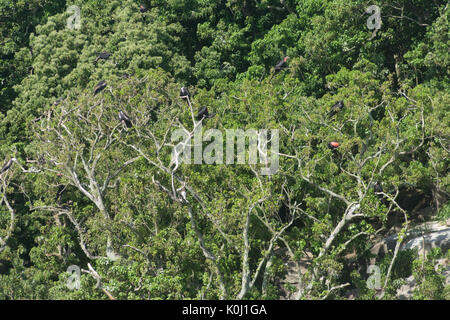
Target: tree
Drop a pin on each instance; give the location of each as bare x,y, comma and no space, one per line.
118,199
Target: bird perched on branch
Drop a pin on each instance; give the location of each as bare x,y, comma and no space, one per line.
125,119
377,187
104,55
333,145
7,165
281,64
203,113
184,93
99,87
338,106
143,8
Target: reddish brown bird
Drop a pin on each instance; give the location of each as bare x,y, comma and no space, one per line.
333,145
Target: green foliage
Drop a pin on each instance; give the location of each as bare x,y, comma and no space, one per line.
429,277
85,184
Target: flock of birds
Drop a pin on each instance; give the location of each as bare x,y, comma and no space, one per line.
203,112
184,93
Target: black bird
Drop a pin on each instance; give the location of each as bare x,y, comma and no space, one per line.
281,64
377,187
203,113
125,119
104,55
99,87
184,93
336,108
143,8
7,165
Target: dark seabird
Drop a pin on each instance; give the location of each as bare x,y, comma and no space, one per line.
184,93
41,160
203,113
104,55
281,64
377,188
125,119
143,8
99,87
336,108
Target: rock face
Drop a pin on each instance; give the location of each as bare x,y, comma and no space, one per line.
405,292
293,272
427,235
423,237
447,272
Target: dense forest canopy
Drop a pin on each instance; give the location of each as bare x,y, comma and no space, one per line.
89,104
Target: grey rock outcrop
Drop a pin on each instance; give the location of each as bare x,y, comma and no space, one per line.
427,235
